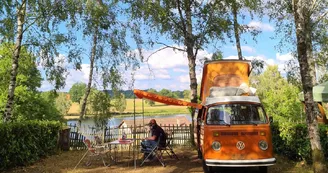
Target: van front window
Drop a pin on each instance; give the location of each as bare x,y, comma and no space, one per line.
236,114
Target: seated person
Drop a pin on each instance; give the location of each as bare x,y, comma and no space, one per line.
213,118
157,133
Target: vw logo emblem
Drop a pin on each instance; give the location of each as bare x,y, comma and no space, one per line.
240,145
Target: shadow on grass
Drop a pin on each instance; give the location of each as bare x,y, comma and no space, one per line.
187,163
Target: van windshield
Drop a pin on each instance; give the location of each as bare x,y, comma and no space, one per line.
236,114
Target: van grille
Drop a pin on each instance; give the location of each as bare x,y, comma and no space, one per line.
237,133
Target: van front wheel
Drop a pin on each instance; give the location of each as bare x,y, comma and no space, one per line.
263,169
206,169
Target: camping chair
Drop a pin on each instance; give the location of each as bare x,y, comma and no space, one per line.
155,151
168,148
93,152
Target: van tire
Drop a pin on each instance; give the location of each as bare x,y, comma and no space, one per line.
263,169
206,169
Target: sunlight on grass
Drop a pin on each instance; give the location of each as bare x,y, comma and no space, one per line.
157,109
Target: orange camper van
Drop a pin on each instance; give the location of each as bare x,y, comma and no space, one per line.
231,126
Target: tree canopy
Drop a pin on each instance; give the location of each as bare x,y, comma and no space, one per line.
76,91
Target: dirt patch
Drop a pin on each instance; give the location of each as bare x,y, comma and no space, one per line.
188,162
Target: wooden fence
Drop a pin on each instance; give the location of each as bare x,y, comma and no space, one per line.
180,134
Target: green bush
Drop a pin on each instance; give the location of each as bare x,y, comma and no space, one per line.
291,140
23,143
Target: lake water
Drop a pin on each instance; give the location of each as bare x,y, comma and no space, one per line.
114,122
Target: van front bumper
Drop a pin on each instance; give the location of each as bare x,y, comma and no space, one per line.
240,163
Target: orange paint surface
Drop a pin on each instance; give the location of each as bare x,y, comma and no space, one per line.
164,99
229,136
224,73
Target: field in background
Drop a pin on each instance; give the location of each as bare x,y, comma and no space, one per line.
157,109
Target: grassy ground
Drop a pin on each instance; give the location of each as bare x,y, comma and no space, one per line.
188,162
157,109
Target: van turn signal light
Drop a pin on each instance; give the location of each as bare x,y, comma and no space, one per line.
262,133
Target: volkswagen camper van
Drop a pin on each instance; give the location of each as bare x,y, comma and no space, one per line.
231,126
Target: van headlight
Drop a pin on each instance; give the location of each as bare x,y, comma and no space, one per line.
216,146
263,145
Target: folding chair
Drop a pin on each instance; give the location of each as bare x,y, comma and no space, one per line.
154,151
94,152
168,148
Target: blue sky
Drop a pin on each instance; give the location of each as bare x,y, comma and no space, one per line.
169,69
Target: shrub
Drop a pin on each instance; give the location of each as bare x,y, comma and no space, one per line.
23,143
291,140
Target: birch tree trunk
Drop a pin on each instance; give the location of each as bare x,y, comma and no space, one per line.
302,20
21,10
189,43
236,29
88,89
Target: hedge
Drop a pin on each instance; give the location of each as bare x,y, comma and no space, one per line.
292,140
22,143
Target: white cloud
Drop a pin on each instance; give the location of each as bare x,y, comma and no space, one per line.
284,57
144,73
270,62
141,77
261,26
168,58
248,49
184,79
73,76
180,70
245,49
231,57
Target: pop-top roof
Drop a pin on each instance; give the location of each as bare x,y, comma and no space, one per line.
224,73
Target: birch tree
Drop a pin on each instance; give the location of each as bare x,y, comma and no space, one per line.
110,54
237,9
34,24
307,19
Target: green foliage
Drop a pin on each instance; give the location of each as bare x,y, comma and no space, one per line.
151,102
23,143
279,98
291,140
120,103
77,91
41,34
167,93
218,55
99,105
63,103
34,106
30,105
186,94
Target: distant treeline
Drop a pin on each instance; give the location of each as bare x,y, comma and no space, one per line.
165,92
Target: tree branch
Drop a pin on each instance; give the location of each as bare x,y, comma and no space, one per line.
321,17
179,49
176,23
166,47
181,18
313,6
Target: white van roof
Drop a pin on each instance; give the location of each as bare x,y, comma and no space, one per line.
212,100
